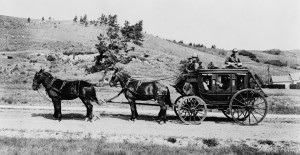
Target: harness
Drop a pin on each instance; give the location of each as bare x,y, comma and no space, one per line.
133,92
49,85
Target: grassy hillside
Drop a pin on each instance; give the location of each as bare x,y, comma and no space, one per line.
33,41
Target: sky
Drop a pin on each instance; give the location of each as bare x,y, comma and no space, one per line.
228,24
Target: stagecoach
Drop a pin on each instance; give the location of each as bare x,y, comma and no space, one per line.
235,92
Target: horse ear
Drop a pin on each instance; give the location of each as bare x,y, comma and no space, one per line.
116,69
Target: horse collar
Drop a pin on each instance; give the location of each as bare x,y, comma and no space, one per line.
51,83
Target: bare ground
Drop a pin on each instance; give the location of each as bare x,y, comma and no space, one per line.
112,125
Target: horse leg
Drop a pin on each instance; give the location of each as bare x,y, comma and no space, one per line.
159,114
89,109
162,115
57,108
133,110
136,113
55,111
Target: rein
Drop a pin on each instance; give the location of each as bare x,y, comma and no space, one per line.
44,96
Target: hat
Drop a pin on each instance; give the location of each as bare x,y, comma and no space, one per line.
195,55
235,50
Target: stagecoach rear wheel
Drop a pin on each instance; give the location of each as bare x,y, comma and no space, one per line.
248,107
227,113
192,110
178,101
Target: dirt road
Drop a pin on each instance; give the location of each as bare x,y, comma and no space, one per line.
113,125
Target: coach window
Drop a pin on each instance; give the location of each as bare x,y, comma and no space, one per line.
207,79
240,81
223,81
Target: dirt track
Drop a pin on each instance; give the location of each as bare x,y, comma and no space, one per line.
113,125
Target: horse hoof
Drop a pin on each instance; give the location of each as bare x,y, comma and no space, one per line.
88,120
161,122
132,120
96,118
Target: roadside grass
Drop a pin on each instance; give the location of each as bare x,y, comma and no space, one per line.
26,146
283,105
283,101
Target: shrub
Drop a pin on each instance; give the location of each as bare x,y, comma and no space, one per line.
50,58
275,63
211,142
8,100
273,51
255,59
222,52
247,53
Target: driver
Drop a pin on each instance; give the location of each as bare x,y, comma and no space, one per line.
232,61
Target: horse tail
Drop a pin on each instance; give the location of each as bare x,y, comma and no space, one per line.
94,96
168,98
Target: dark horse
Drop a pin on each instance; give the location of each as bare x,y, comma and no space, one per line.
59,90
141,90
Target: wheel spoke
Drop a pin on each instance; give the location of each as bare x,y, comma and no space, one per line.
238,106
242,97
185,108
253,116
249,120
258,113
258,104
239,101
260,108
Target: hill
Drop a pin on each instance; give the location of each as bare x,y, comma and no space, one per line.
29,45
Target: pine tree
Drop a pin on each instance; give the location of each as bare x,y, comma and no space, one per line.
75,19
133,32
28,20
80,20
112,21
84,19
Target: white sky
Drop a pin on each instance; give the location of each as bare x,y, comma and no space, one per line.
242,24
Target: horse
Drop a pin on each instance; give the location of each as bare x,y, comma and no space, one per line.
142,90
59,90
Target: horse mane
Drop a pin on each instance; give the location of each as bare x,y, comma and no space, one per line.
124,75
48,74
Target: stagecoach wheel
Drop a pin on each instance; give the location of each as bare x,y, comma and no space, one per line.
227,113
192,110
248,107
177,102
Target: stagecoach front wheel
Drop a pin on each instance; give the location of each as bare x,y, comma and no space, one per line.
192,110
248,107
177,102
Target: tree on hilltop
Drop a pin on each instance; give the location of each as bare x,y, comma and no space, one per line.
113,43
81,20
103,19
84,19
133,32
28,19
112,21
75,19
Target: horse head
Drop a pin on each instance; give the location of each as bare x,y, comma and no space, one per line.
37,80
120,77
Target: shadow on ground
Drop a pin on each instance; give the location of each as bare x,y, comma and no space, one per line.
69,116
149,118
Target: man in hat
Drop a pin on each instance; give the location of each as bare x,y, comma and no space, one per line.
195,63
232,61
